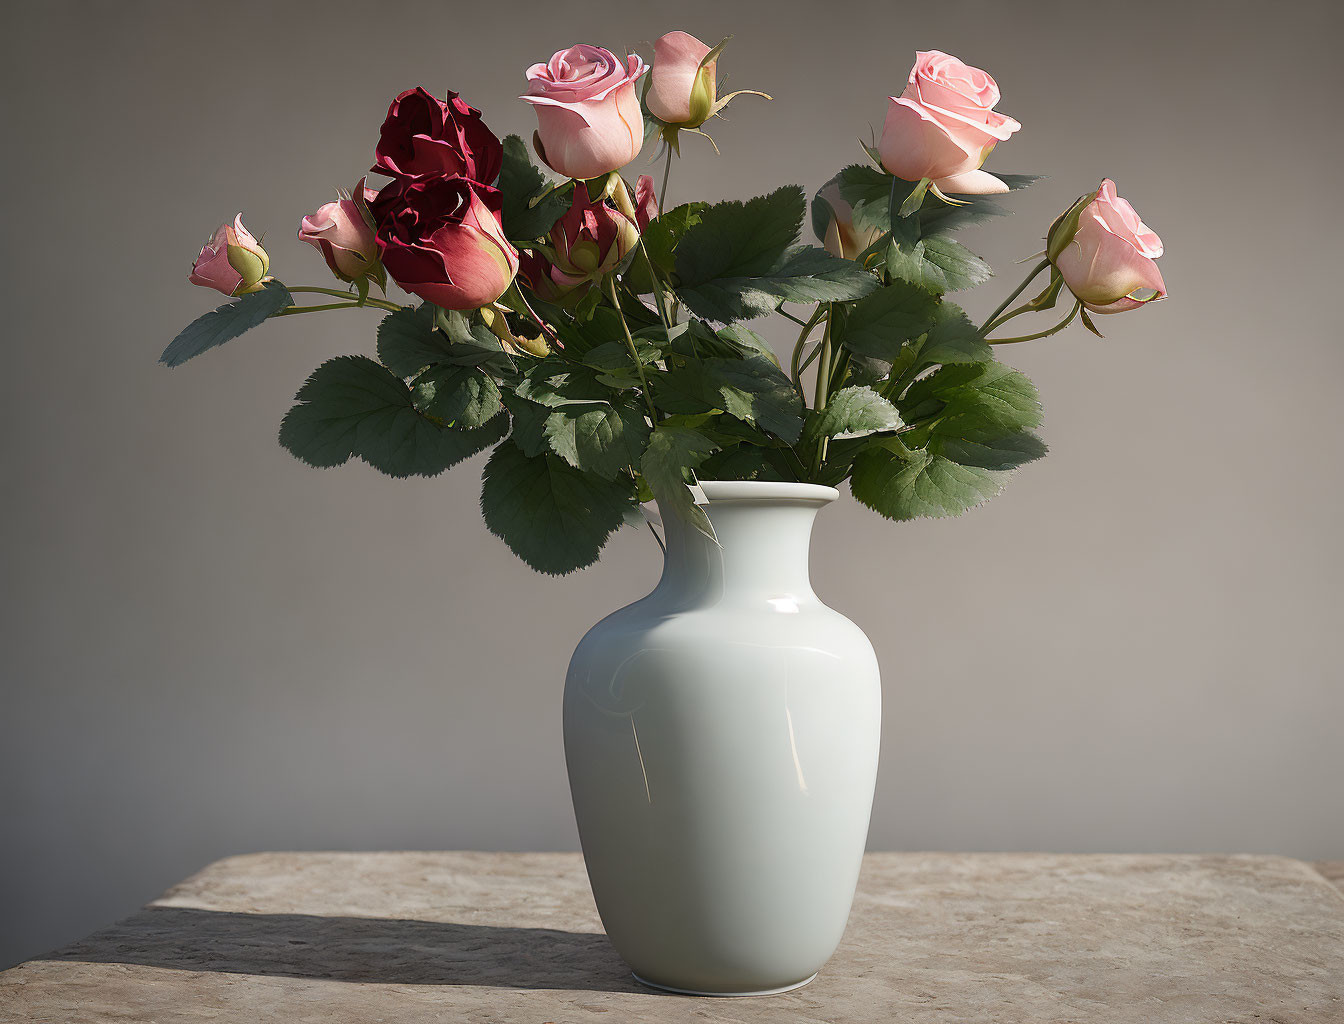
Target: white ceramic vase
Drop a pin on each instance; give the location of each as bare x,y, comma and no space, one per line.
722,737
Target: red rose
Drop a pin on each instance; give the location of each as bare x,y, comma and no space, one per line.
441,239
426,137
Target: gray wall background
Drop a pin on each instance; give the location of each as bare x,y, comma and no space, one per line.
210,649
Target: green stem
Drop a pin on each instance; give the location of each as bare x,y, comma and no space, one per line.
988,325
896,385
841,368
391,307
667,170
811,358
823,391
994,325
789,316
1039,334
291,310
634,352
794,368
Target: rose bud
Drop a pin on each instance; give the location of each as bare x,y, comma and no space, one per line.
646,202
589,241
838,235
589,121
1105,253
425,137
343,233
534,270
944,125
682,90
441,239
232,262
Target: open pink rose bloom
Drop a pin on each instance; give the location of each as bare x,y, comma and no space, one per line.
943,126
588,118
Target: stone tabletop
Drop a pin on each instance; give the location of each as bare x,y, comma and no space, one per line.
935,938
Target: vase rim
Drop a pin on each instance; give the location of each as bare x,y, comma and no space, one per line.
764,490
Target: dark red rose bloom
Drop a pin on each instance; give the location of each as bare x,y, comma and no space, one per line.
426,137
441,239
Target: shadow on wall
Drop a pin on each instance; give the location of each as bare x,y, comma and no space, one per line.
358,949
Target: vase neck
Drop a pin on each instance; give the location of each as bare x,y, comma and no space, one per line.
762,549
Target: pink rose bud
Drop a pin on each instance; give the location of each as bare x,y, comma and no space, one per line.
1105,253
589,121
441,239
343,232
646,202
534,270
589,241
232,262
682,88
944,125
841,238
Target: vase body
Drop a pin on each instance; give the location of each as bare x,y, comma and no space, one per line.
721,736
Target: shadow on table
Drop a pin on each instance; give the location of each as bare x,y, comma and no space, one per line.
357,949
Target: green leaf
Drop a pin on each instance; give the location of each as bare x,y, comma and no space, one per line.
747,462
460,395
803,274
746,342
665,230
853,412
553,517
599,438
881,323
555,382
408,342
735,239
352,406
672,454
529,424
519,181
613,355
953,339
985,396
919,483
960,267
226,323
937,264
473,344
753,389
739,262
870,192
989,449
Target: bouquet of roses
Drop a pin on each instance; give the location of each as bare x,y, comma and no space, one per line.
600,341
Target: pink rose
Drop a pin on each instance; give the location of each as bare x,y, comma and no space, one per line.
842,238
589,241
588,117
534,270
232,262
944,125
1106,254
441,239
343,233
681,92
646,202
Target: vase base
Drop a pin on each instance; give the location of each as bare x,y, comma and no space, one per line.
725,995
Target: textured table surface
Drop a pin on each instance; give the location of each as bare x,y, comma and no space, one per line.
515,939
